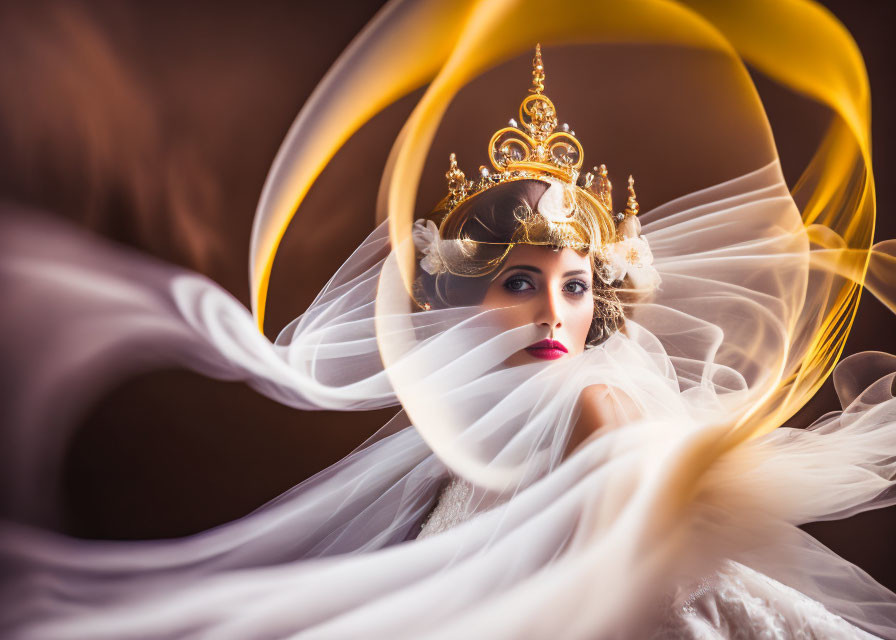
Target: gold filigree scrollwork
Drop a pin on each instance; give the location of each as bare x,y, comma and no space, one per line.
510,146
538,116
565,151
537,141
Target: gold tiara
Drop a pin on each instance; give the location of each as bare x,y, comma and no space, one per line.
534,148
575,211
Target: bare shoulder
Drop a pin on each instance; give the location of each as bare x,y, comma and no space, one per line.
594,392
601,407
608,402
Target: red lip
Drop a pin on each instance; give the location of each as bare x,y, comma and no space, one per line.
547,350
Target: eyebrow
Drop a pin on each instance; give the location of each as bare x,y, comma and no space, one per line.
527,267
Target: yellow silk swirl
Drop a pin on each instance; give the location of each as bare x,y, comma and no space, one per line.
795,42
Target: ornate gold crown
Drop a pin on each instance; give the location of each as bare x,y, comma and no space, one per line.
575,210
533,148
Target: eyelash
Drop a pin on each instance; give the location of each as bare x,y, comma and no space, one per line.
509,286
582,284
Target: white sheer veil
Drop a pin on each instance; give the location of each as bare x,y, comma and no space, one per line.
590,543
613,513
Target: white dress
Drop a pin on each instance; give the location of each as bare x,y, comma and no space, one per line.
735,602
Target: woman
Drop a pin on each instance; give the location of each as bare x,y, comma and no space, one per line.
580,526
522,248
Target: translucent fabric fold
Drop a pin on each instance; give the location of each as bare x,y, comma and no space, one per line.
693,478
592,541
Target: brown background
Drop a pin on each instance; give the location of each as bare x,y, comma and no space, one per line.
154,124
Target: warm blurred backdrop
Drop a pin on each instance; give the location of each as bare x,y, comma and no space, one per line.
154,125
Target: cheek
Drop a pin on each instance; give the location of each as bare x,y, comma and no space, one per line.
515,313
492,298
579,324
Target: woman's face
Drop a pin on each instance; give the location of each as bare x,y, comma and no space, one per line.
550,288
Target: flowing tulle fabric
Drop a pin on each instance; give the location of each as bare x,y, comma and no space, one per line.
590,543
754,303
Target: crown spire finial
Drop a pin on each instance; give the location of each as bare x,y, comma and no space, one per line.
457,181
603,187
537,71
631,208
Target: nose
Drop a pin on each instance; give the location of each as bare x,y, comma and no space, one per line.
549,311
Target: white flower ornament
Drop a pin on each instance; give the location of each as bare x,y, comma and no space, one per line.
426,239
558,203
631,257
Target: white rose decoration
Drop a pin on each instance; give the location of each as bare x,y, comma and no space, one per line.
426,239
631,257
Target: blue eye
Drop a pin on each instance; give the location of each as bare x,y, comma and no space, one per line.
576,287
518,283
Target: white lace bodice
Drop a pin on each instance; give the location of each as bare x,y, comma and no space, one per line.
735,602
450,510
738,602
